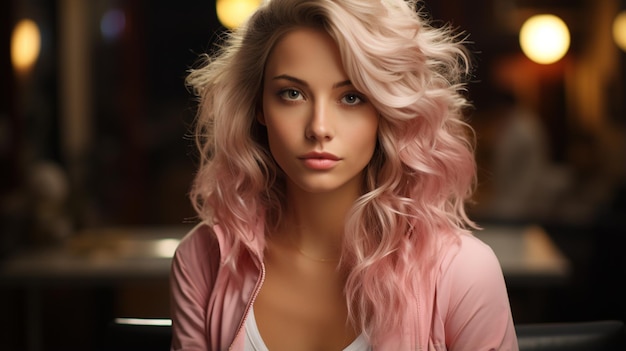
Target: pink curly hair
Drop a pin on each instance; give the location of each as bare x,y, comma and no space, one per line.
422,172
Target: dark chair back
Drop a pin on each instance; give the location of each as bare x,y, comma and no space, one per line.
574,336
138,335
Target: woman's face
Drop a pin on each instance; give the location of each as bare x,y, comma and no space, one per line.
322,132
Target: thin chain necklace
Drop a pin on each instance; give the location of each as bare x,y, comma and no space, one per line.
315,258
304,254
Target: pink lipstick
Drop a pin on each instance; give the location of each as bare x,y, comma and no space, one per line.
319,161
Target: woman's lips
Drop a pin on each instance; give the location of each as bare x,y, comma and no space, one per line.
319,161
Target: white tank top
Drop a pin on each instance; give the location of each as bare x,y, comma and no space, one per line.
254,342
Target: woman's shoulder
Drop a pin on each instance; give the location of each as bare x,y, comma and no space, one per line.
200,242
202,234
470,259
472,248
469,255
198,255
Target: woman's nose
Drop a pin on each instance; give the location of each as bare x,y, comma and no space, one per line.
320,126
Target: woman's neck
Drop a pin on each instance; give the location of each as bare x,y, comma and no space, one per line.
314,222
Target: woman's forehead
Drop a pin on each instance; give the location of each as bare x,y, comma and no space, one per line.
305,51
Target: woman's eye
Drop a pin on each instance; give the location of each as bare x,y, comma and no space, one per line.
290,94
352,99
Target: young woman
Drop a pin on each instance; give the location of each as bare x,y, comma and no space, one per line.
334,169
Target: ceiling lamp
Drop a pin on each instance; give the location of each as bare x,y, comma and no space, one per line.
544,38
232,13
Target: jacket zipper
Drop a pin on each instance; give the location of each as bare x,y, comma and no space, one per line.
257,289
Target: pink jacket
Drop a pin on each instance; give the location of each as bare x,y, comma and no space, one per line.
466,309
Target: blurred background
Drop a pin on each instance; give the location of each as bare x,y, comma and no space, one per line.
96,157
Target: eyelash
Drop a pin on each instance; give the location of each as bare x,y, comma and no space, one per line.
283,94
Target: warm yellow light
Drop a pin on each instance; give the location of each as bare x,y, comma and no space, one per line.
25,45
232,13
619,30
544,39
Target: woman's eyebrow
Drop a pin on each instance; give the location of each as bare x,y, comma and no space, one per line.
342,84
305,84
291,79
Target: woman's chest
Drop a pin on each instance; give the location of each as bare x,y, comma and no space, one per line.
303,308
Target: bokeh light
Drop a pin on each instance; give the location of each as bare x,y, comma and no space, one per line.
232,13
544,38
25,45
619,30
112,24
